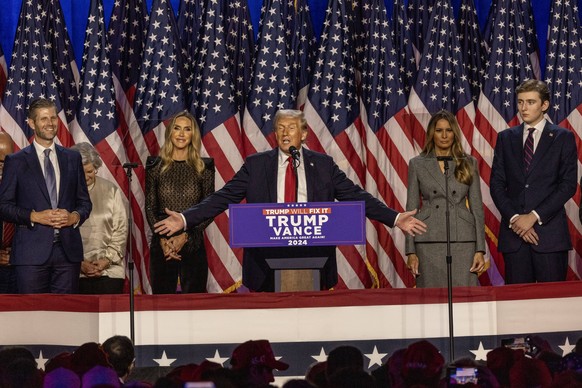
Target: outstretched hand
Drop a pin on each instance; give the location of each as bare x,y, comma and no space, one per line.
170,225
410,225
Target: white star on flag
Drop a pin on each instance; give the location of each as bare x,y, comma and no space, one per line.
217,359
375,357
321,357
41,361
567,347
481,352
164,361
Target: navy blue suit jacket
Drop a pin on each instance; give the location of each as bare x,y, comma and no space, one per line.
549,184
23,189
257,182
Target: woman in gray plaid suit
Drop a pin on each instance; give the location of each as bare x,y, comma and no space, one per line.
426,192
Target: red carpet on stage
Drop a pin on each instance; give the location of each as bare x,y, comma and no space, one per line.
303,327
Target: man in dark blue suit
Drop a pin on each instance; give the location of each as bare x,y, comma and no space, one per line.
44,193
534,174
262,179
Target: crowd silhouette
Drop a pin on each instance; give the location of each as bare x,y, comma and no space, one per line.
252,365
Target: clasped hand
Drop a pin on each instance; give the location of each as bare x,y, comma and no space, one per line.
173,245
522,225
94,268
56,218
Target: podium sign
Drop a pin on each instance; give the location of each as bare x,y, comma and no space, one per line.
297,224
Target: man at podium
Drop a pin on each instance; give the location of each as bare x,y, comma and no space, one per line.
288,173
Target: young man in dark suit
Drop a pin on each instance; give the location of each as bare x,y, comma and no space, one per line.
44,193
534,174
261,180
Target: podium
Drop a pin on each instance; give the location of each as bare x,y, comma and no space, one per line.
294,225
309,266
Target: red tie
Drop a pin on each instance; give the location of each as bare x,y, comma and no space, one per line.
290,180
7,234
528,149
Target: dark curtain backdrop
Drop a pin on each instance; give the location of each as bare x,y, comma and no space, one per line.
76,12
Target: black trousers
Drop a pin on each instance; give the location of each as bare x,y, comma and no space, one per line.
192,270
528,266
101,285
57,276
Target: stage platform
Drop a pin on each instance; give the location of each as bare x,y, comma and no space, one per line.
303,327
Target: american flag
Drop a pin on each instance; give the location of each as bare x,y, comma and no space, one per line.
564,78
3,73
402,44
507,67
30,76
441,82
488,30
302,49
160,92
529,30
97,120
63,58
358,14
96,114
215,107
127,32
272,87
240,42
474,50
333,115
189,21
473,47
419,12
389,146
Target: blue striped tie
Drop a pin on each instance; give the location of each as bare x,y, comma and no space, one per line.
528,149
50,178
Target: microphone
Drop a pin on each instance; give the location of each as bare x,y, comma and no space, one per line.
445,158
130,165
294,152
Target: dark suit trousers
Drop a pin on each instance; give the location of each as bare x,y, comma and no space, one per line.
57,276
7,280
192,270
101,285
528,266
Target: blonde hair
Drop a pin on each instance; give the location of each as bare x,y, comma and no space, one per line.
294,113
463,172
194,159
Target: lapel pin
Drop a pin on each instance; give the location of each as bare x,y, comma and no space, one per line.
311,164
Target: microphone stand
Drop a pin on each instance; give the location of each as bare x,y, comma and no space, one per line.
130,263
449,265
295,167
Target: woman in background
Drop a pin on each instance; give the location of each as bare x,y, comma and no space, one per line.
426,180
178,179
104,233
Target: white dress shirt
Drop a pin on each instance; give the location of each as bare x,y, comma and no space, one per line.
282,170
53,157
537,133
